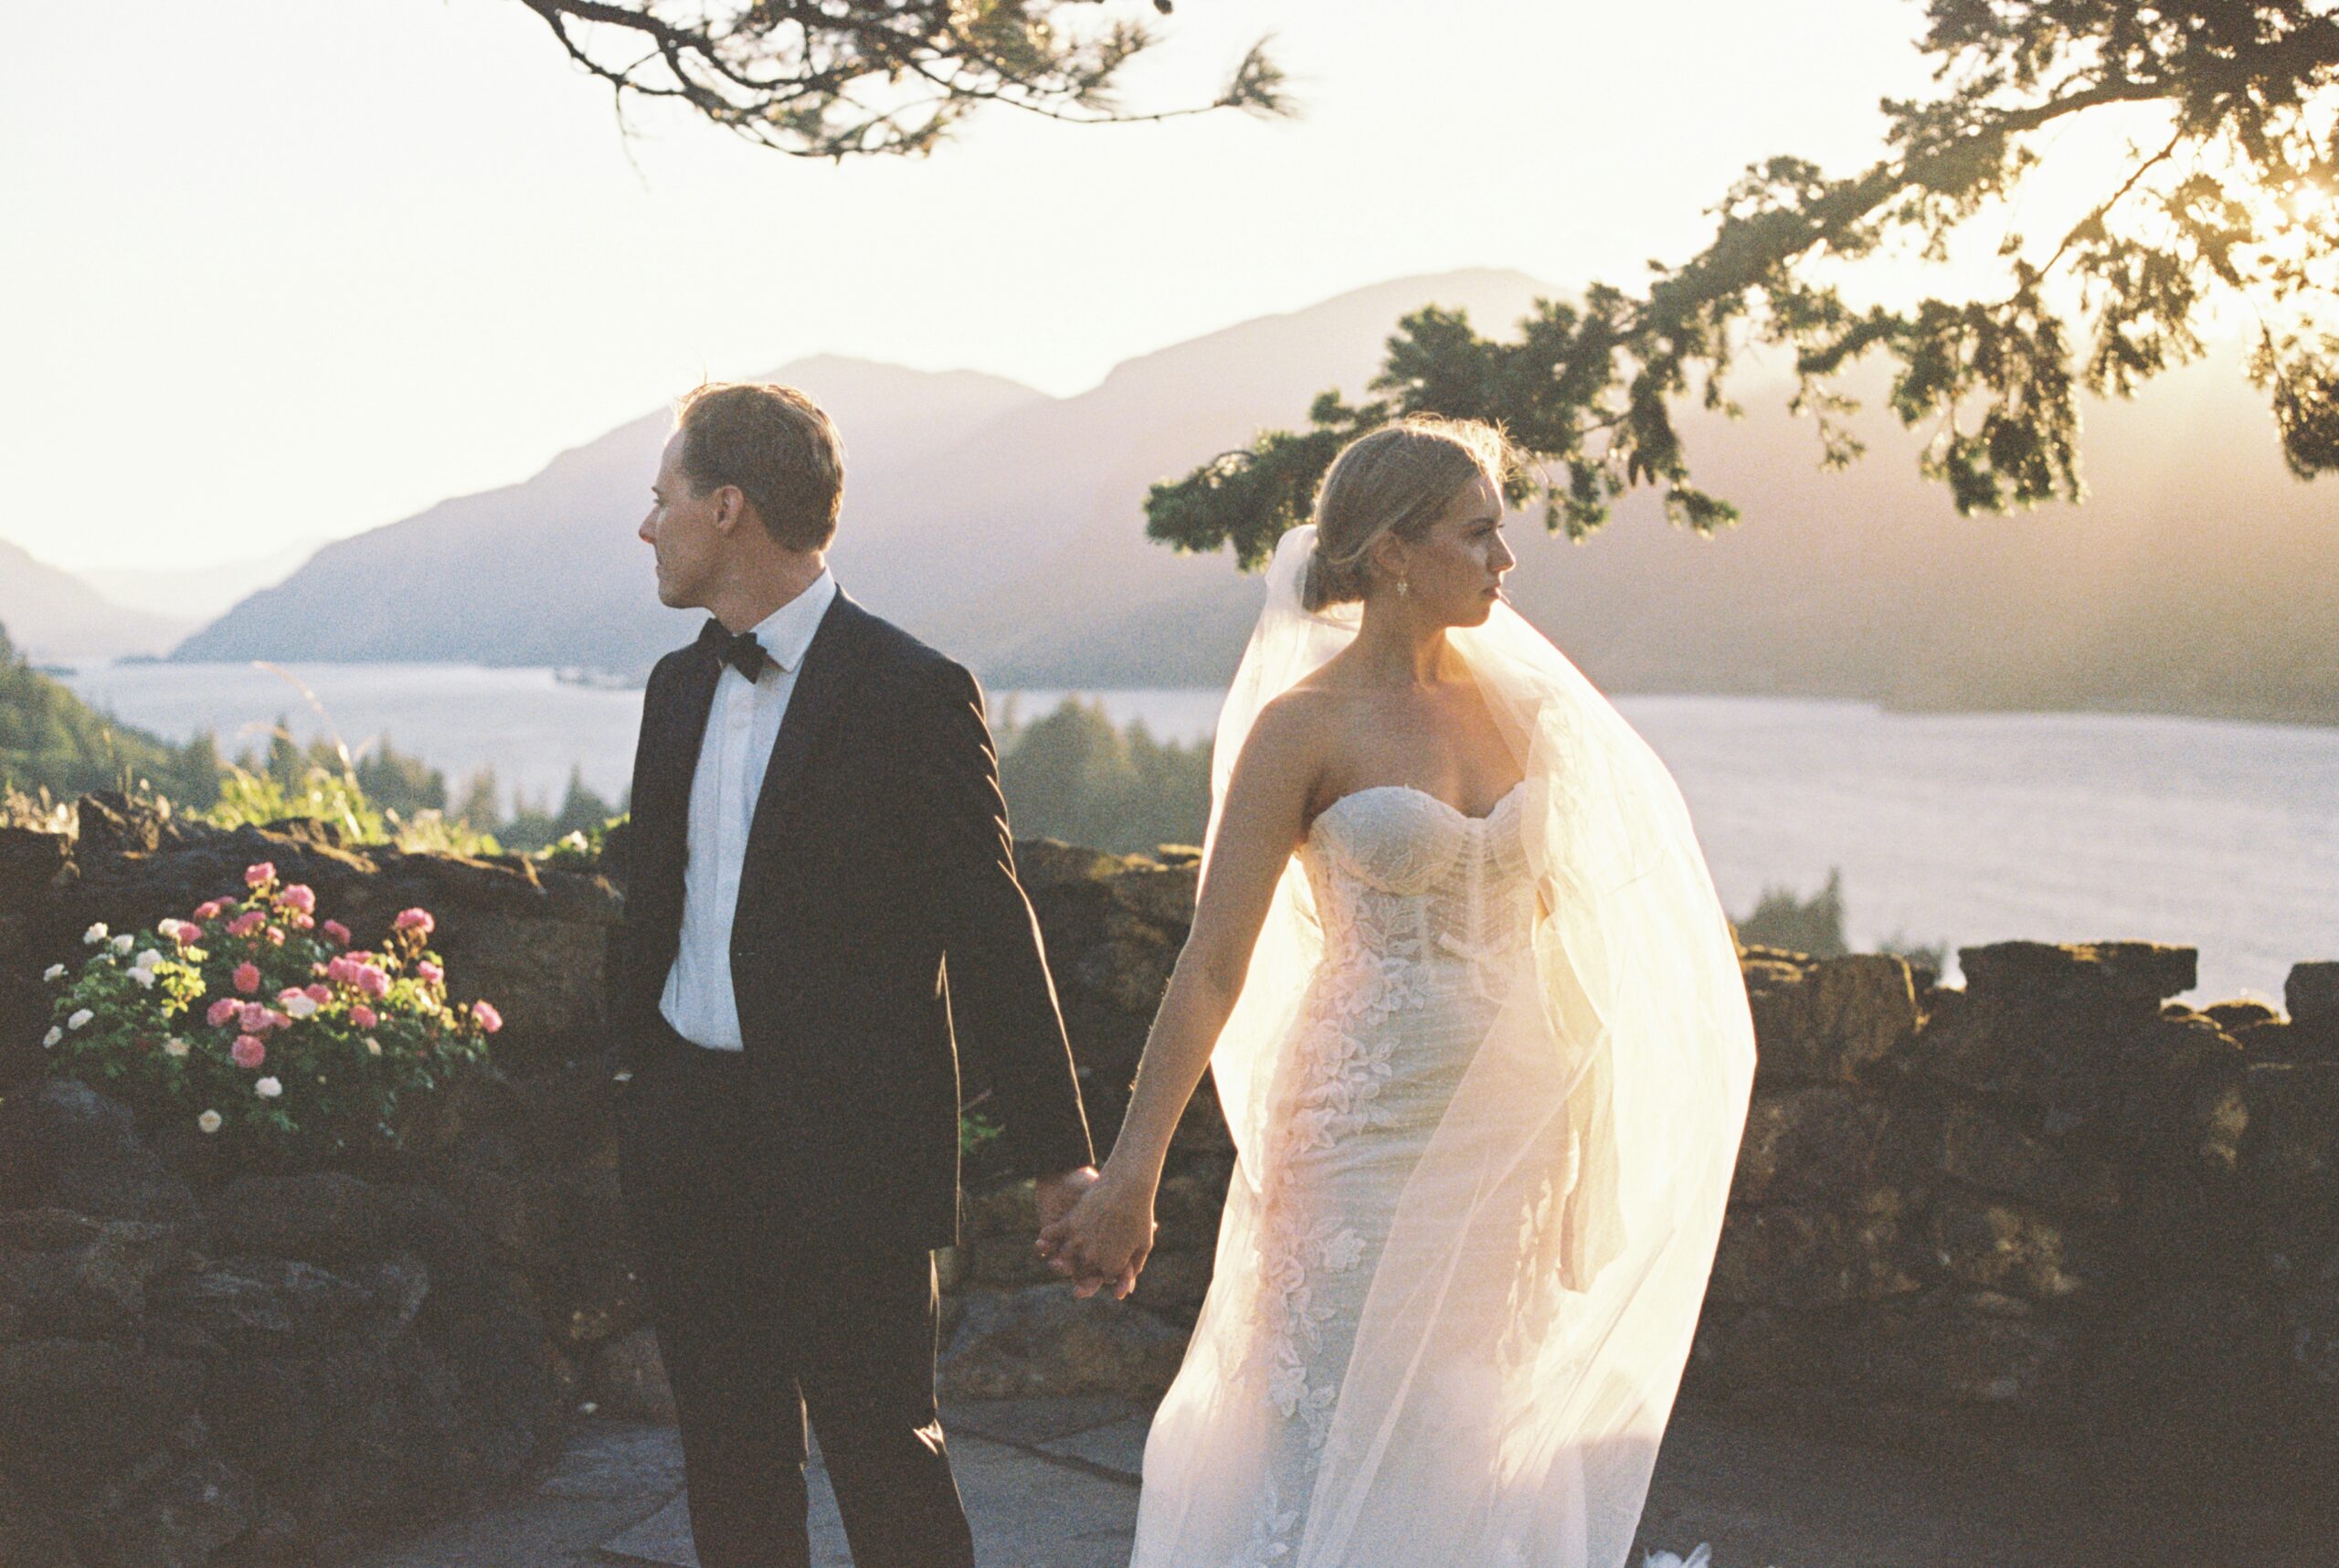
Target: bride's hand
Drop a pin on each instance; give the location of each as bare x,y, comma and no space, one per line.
1104,1240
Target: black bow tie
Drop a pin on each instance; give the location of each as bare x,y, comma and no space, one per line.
737,649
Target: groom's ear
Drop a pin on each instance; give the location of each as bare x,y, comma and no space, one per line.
732,510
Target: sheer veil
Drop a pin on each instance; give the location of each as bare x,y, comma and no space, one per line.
1527,1326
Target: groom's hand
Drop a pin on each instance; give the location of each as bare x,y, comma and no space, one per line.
1059,1192
1102,1242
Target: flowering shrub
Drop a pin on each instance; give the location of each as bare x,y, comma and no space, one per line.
255,1021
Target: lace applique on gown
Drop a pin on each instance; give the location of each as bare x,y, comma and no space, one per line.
1427,917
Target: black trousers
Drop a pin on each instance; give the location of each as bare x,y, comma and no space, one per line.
759,1326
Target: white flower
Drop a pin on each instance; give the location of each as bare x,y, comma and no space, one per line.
94,935
52,1037
373,1046
268,1088
149,959
144,977
124,942
300,1005
81,1016
54,971
208,1121
173,1046
1698,1559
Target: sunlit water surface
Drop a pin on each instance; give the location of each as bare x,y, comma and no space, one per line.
1947,828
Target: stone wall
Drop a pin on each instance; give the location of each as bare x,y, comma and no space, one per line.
2049,1213
2046,1216
202,1365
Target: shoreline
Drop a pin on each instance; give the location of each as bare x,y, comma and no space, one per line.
589,678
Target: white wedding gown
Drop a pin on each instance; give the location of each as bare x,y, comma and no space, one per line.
1486,1080
1427,917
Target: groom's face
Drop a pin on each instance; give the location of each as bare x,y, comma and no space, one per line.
681,533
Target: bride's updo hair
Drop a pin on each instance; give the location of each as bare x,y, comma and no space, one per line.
1398,479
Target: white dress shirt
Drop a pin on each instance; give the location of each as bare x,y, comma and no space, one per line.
741,727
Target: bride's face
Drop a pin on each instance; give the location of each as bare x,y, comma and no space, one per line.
1453,573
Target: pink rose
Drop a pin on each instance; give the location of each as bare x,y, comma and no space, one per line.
247,977
276,935
415,921
301,896
208,909
364,1016
342,971
256,875
337,931
300,922
254,1018
374,982
247,1051
483,1013
430,972
244,925
278,1021
318,992
226,1008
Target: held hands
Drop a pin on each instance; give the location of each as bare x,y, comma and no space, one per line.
1097,1234
1057,1195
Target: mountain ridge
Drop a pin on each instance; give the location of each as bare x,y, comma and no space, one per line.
1006,526
51,613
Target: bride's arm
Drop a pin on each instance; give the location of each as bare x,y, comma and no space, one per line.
1107,1238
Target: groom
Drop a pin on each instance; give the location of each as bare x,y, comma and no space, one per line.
821,898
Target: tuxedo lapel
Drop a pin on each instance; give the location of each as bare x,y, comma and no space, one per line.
820,688
684,732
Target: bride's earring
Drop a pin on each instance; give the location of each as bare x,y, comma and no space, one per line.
1404,586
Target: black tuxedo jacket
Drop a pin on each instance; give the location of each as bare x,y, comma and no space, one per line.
878,914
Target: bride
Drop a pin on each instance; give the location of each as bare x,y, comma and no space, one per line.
1476,1021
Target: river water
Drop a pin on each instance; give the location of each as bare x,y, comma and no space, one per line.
1947,828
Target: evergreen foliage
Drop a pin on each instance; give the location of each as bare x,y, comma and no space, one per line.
396,782
534,827
2228,201
859,77
1781,918
52,741
1071,774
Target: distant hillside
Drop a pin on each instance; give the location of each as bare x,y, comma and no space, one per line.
194,594
963,493
52,614
550,572
1007,527
2198,577
52,740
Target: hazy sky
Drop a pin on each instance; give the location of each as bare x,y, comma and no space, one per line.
293,269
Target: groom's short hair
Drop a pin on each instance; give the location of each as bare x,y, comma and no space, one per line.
777,446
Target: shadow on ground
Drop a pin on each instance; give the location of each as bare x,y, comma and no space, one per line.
1054,1483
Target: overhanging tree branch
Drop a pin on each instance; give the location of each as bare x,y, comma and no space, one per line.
1588,389
864,76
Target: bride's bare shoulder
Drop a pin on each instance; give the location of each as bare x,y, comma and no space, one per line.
1294,732
1304,715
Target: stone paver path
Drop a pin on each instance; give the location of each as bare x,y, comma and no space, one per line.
1053,1484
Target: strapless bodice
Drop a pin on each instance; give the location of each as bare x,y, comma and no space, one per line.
1401,878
